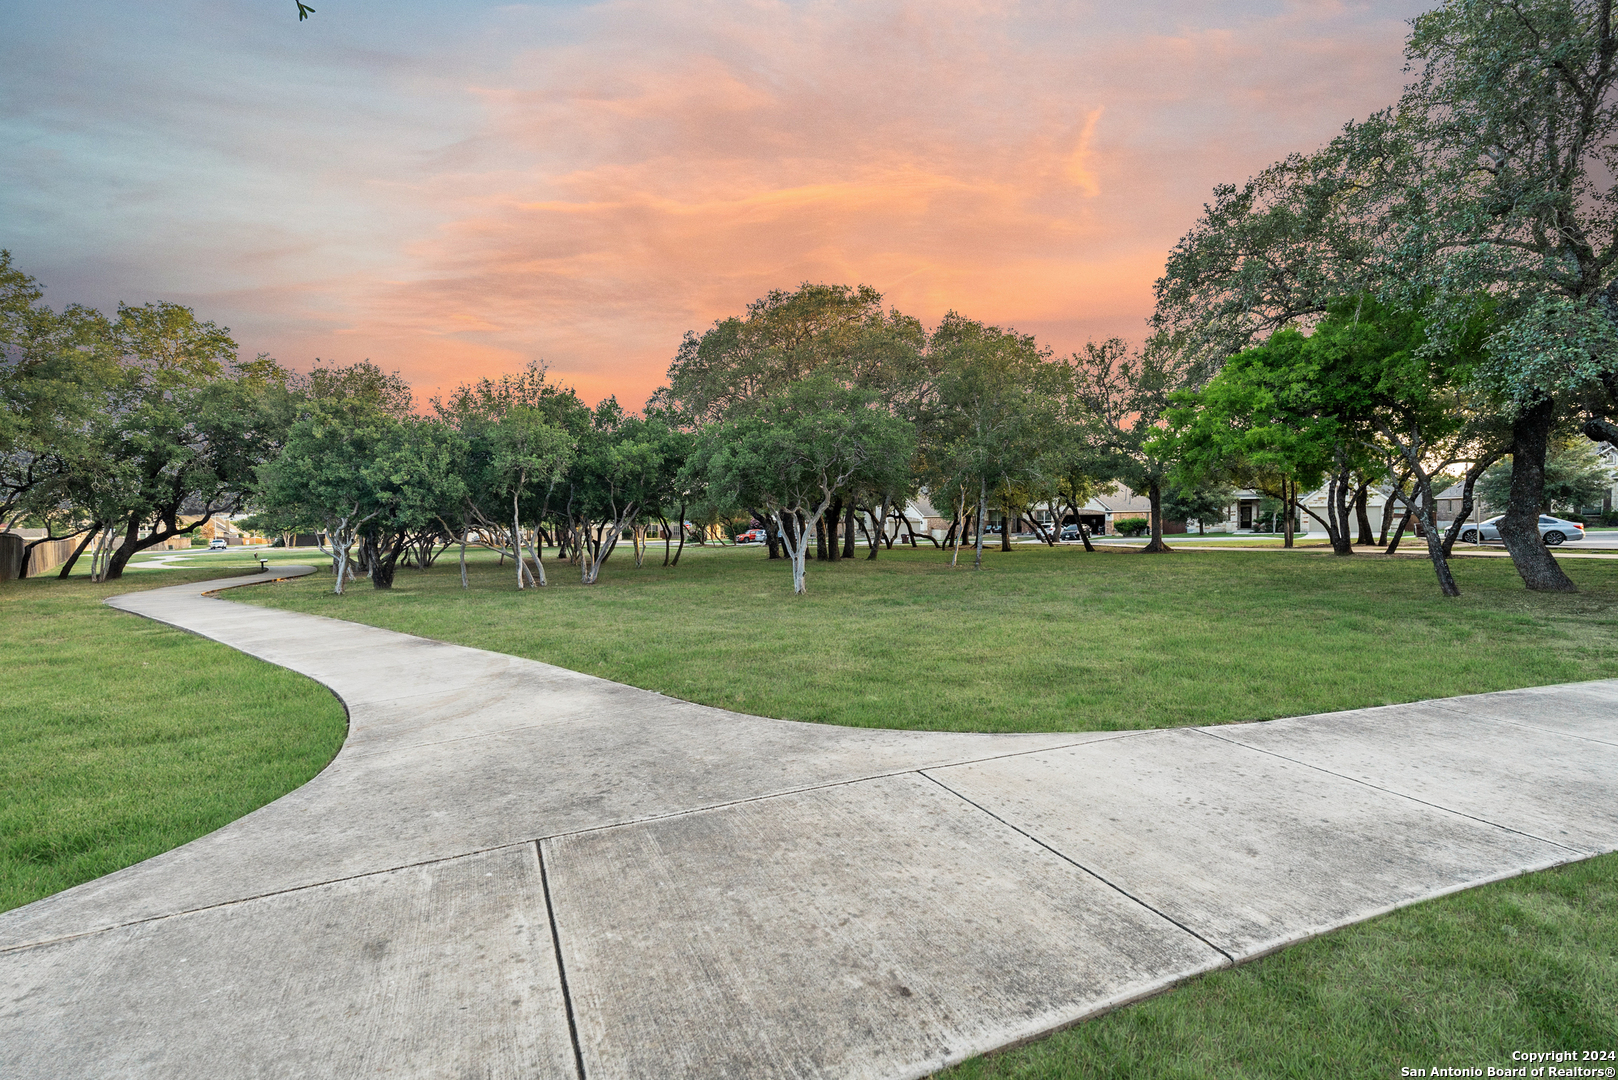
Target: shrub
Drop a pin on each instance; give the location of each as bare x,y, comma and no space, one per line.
1131,526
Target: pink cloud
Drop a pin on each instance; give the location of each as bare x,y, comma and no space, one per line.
601,180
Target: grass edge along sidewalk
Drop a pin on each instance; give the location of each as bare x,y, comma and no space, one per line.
1041,640
1527,965
122,738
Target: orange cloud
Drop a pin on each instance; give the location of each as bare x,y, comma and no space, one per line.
584,185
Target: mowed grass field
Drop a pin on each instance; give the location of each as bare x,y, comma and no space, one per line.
121,738
1040,640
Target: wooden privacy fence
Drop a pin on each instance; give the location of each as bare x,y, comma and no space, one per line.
44,558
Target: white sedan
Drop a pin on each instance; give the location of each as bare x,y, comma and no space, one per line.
1551,530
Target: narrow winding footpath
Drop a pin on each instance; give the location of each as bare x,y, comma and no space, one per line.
515,870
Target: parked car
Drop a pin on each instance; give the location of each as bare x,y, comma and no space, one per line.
217,544
1069,532
751,536
1552,530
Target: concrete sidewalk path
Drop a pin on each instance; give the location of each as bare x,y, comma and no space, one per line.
515,870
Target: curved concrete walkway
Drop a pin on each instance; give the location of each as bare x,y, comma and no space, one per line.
514,870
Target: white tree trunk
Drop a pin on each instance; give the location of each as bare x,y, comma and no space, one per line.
538,576
516,537
596,551
797,548
960,528
977,530
799,555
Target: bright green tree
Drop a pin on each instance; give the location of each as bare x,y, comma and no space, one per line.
1123,397
1359,395
795,451
324,478
990,423
187,425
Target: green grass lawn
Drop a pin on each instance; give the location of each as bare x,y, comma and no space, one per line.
1040,640
121,738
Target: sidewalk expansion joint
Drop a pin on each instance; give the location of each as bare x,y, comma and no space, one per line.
626,823
1580,852
1466,714
830,784
561,965
232,902
1120,890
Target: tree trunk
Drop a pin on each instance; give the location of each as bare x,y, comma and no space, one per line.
681,549
1289,498
538,574
820,541
1457,526
1519,528
1047,538
103,539
516,537
772,533
28,550
1337,511
795,538
1387,512
1435,546
89,538
340,543
1398,534
983,510
1362,497
798,552
464,583
383,558
1154,494
1084,534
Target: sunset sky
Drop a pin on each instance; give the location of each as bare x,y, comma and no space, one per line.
454,188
